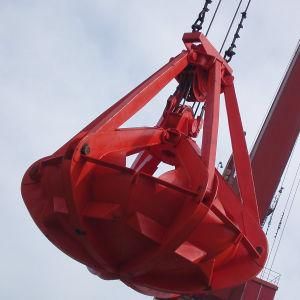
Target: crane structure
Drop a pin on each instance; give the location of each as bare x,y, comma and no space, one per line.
190,233
269,157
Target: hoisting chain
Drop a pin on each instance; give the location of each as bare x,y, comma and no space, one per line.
285,222
229,53
273,208
284,210
197,26
279,226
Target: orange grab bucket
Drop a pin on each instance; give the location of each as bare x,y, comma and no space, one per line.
186,231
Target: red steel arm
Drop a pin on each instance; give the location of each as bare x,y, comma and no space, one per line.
211,124
240,154
127,106
269,157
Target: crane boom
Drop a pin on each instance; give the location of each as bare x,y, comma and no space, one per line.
277,137
276,140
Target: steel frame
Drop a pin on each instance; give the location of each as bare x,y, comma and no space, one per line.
185,232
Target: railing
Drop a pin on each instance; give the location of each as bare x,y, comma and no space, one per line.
270,276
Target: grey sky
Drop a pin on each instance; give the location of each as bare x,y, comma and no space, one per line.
63,62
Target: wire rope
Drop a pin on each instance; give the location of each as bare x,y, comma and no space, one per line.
284,210
285,223
286,204
230,26
213,17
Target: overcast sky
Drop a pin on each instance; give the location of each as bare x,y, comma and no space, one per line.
63,62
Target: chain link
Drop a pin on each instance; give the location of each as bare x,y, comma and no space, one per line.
197,26
230,52
272,209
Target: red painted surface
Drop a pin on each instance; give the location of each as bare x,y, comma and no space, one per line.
268,159
257,289
183,232
277,137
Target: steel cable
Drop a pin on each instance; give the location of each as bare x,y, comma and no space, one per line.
213,18
229,53
285,207
230,26
286,220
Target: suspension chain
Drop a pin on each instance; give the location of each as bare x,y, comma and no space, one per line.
197,26
229,53
273,208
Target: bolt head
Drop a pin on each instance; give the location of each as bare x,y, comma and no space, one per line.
85,149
